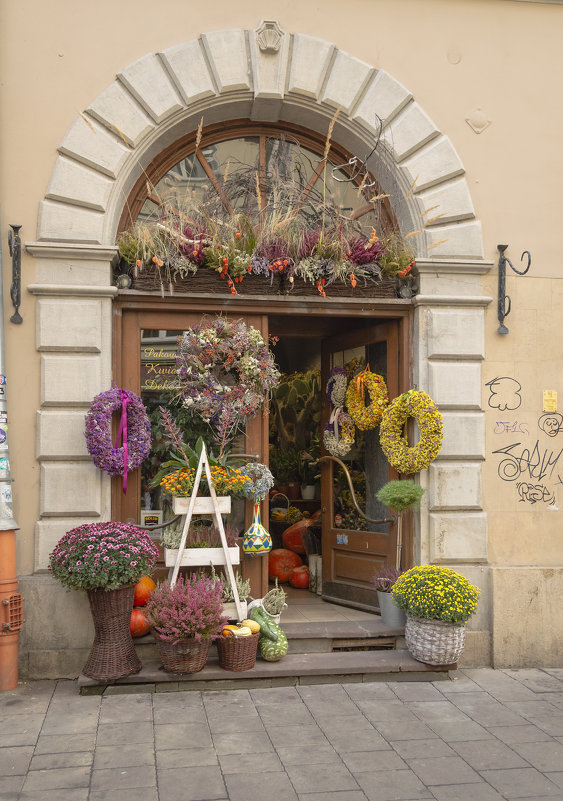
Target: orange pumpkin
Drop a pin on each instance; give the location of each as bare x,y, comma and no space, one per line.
139,624
299,577
281,562
143,590
292,537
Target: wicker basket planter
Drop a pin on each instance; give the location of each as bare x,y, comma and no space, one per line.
185,656
434,642
237,653
113,654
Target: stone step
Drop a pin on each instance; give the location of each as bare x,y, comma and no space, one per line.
293,669
319,637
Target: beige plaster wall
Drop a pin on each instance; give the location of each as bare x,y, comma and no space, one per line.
495,62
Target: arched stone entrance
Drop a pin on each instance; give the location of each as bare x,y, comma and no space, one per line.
265,75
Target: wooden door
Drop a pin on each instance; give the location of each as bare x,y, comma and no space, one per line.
144,362
353,548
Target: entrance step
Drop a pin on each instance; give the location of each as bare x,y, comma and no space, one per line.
319,653
348,635
293,669
319,637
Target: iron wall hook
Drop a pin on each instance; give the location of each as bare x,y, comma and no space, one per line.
15,246
504,303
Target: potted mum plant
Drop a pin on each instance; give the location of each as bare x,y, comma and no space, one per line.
438,602
106,560
383,582
184,620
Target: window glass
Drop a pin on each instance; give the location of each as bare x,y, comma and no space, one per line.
235,166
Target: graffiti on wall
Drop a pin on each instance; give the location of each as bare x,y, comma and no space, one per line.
551,423
533,465
505,393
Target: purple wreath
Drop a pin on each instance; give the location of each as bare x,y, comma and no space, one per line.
135,423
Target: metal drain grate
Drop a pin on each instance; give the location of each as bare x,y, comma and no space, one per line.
379,644
14,615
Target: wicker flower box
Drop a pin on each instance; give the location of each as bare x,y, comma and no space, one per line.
209,281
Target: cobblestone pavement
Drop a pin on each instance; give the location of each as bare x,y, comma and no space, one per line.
487,735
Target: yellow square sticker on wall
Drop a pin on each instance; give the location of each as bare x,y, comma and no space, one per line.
549,400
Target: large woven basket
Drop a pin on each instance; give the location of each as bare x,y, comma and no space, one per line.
237,653
434,642
185,656
113,654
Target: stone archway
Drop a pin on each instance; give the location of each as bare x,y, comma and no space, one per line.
225,75
264,75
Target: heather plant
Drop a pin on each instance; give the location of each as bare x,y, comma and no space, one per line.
102,556
242,585
384,580
200,536
432,592
193,608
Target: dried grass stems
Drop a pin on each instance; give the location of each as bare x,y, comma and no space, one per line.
295,226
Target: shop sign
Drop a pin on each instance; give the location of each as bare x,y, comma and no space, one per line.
158,369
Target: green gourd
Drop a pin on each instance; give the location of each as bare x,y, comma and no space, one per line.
266,624
273,651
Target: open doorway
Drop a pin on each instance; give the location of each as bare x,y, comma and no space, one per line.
323,511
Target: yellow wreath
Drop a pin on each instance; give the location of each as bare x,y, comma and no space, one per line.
393,440
366,417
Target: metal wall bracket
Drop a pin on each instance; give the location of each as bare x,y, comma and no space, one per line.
503,298
15,245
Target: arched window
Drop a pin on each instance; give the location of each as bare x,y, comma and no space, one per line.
243,166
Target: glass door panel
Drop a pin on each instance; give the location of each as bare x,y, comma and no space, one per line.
355,547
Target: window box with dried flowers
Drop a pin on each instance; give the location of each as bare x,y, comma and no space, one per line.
291,238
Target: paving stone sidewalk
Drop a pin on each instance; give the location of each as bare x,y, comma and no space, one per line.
487,735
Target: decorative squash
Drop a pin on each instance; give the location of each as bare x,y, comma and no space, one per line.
281,562
273,651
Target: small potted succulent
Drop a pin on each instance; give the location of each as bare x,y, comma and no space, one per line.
185,619
106,560
438,602
383,582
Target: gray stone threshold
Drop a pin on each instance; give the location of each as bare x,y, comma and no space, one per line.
293,669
